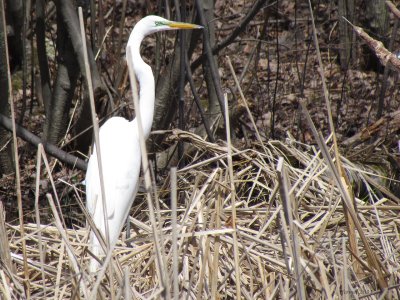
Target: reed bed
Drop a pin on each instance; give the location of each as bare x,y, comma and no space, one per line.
292,238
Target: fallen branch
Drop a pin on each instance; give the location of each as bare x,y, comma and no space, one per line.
385,126
387,58
50,148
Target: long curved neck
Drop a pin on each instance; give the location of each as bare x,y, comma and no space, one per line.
144,74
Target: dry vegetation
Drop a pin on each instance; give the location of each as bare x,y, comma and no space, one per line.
263,218
205,253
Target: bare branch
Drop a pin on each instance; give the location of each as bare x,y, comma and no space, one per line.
230,39
50,148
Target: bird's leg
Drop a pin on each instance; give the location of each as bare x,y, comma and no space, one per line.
128,233
128,224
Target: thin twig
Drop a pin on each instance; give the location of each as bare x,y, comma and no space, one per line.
374,262
338,165
233,199
244,102
287,205
15,147
235,33
37,214
210,58
95,127
196,98
175,262
145,166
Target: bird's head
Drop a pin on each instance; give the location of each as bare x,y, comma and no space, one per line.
152,24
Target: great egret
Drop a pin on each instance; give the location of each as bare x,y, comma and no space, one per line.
119,145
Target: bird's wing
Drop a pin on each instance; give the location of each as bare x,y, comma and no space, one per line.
121,160
92,184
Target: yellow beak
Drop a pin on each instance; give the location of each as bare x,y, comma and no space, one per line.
181,25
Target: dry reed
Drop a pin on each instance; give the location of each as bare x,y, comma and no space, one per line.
310,255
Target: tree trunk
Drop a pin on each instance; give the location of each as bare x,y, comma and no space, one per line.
45,83
376,23
70,62
6,157
83,119
15,17
346,32
64,87
166,104
213,104
378,19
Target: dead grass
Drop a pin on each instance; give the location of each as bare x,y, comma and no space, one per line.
269,215
272,260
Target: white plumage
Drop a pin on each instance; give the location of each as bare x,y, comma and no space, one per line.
119,145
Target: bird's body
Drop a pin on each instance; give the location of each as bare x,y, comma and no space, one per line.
119,146
120,173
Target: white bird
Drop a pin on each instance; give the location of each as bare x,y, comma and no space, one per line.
119,145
